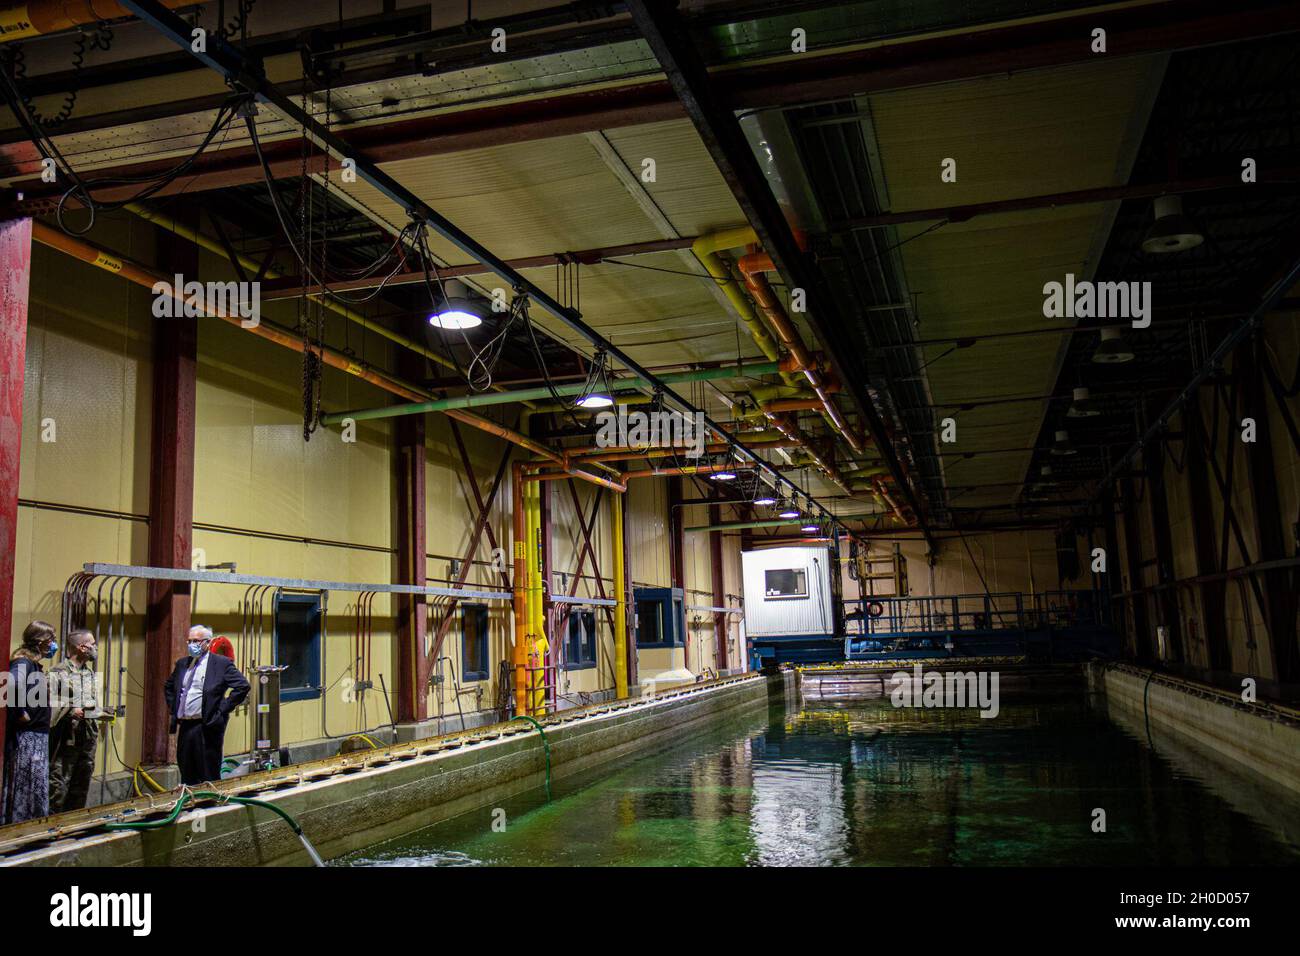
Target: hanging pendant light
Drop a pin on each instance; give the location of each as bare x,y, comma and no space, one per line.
596,393
1172,231
1062,445
1083,405
459,310
1113,349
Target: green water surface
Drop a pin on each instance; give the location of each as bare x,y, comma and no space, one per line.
868,784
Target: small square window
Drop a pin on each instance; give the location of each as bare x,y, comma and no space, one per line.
580,651
785,583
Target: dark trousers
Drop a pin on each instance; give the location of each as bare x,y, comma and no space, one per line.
198,751
72,763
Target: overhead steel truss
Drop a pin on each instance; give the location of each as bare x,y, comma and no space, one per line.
245,74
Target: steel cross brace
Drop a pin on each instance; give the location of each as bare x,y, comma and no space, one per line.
481,524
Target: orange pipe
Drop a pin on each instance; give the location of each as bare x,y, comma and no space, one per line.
752,267
575,473
883,491
37,17
688,470
142,276
627,454
792,405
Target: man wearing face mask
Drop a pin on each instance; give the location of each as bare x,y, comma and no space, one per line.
75,733
201,692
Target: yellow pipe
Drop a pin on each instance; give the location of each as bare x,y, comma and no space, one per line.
334,305
540,643
519,535
706,250
620,595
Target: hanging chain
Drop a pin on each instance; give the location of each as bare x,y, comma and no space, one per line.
311,344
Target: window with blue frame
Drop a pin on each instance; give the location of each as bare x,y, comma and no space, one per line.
473,642
580,651
660,617
296,645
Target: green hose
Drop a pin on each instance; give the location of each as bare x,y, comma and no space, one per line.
211,795
547,747
1146,709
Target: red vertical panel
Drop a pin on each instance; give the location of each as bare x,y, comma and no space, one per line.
676,534
15,276
171,501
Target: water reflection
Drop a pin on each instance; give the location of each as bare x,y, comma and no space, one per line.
868,784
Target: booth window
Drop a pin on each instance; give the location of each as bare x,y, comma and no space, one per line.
580,652
474,642
785,583
660,617
296,645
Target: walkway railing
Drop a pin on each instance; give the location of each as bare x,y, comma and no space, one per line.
1003,622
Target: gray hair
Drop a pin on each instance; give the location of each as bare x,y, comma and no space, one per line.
204,630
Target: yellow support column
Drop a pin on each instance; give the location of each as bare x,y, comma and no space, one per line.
536,604
519,534
620,595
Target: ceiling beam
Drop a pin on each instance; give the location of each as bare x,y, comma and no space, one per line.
246,75
718,127
1289,175
810,78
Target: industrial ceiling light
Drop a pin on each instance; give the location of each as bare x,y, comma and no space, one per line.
596,392
1083,405
1113,349
459,310
724,476
789,512
1172,231
765,500
1062,445
810,528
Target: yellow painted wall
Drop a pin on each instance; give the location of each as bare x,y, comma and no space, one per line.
273,504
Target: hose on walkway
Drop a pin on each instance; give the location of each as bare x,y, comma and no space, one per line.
189,795
547,747
1146,708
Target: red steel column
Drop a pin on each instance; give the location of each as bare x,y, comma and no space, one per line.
410,662
676,535
15,276
171,501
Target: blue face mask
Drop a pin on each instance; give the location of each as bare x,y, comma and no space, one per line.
195,648
52,649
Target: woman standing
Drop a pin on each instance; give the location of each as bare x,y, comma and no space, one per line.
25,793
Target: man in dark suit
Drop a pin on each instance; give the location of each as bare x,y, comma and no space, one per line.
201,692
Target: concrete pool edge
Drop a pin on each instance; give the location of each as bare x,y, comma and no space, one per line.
358,807
1260,738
